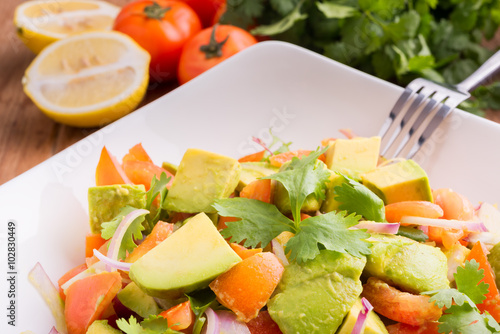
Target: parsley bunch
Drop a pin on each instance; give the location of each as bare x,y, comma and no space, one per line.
261,222
396,40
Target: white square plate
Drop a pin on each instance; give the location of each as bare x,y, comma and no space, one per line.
304,97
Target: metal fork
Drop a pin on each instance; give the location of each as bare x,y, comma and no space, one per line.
423,106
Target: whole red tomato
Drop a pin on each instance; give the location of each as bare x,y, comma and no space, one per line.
207,9
162,27
210,47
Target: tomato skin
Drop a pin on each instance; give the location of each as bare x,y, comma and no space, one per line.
207,10
142,172
193,61
162,38
180,316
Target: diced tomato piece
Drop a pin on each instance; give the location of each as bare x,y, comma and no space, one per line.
69,275
88,298
160,232
93,259
142,172
279,159
400,306
137,153
395,211
400,328
259,190
454,205
492,301
244,252
179,317
93,241
255,157
263,324
109,171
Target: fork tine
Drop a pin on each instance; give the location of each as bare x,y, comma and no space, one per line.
415,128
387,131
409,150
391,145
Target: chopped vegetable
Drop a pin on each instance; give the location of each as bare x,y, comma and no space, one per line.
395,211
359,326
179,317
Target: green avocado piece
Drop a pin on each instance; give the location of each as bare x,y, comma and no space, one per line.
102,327
330,203
186,261
494,259
397,182
353,156
282,200
202,178
251,171
406,263
105,202
170,167
314,297
133,298
373,324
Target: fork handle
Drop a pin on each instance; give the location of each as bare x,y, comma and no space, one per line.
484,72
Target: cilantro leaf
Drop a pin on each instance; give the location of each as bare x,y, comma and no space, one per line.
468,281
155,324
133,232
302,178
331,231
283,25
446,297
283,7
260,222
463,319
333,10
158,187
357,198
199,302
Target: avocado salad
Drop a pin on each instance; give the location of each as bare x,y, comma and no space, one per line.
332,240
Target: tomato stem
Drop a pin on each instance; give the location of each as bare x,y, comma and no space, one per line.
213,48
155,11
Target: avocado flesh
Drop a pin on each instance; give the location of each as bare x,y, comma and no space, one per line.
186,261
202,177
133,298
170,167
314,297
251,171
353,157
105,202
373,324
282,200
494,260
330,203
102,327
398,182
406,263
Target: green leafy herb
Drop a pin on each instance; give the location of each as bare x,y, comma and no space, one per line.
396,40
199,302
134,231
153,325
357,198
412,233
461,314
158,187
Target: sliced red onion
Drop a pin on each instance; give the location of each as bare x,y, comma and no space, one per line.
42,283
362,316
116,240
468,226
388,228
230,324
279,252
488,238
113,263
96,268
54,331
213,323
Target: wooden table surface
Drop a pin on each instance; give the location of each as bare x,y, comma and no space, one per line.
28,137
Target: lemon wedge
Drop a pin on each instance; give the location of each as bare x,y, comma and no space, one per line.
89,79
41,22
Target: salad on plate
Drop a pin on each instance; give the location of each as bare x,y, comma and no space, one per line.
332,240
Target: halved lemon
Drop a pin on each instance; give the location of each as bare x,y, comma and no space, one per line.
41,22
89,79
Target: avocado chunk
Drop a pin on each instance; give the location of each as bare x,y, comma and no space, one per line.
102,327
201,178
251,171
373,324
406,263
353,156
494,260
314,297
105,202
170,167
187,260
330,203
133,298
282,200
402,181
